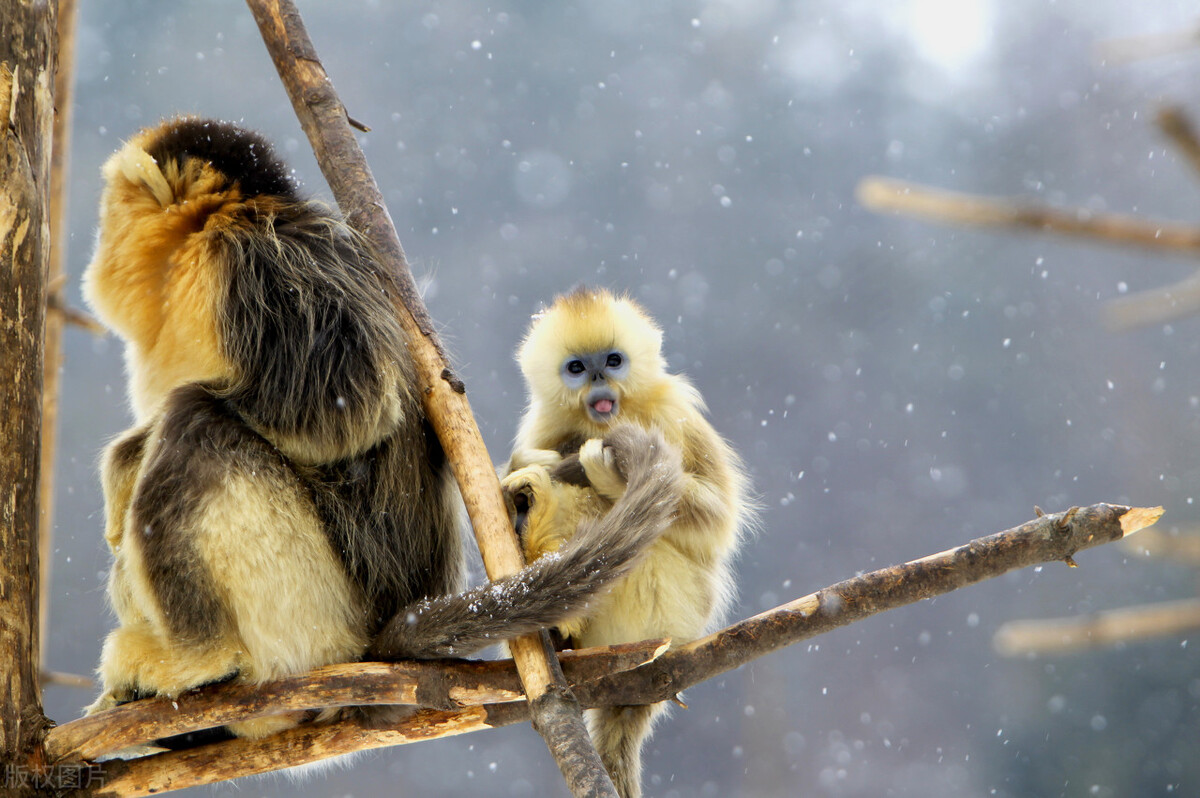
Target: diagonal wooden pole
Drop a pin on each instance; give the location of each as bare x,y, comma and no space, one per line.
556,713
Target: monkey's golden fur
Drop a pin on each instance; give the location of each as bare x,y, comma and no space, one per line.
685,582
281,502
158,279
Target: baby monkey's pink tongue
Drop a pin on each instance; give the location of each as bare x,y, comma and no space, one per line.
603,406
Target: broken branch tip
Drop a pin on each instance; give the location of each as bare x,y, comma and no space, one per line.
1135,519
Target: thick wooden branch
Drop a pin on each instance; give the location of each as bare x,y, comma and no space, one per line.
476,685
217,762
344,166
1049,538
26,110
314,742
952,207
445,684
1098,630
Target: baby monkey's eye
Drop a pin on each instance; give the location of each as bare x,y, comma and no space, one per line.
576,367
614,360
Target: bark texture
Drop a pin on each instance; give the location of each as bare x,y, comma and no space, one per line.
26,113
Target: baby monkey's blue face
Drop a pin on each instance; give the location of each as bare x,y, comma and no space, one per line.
596,375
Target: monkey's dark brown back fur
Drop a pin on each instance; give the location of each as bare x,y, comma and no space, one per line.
319,353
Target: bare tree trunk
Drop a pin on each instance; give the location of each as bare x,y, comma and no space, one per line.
26,113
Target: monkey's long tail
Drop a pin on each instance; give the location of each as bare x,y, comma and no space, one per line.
619,733
557,586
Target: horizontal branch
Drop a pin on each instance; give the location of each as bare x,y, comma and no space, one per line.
444,684
1127,49
1155,305
951,207
1049,538
1182,549
313,742
1098,630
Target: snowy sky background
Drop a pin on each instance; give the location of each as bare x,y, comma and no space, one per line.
897,388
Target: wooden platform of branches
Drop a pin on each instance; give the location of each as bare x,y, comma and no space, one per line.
452,697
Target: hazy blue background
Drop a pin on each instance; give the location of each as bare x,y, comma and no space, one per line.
897,388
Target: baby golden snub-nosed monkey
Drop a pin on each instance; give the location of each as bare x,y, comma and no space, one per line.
595,372
281,501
